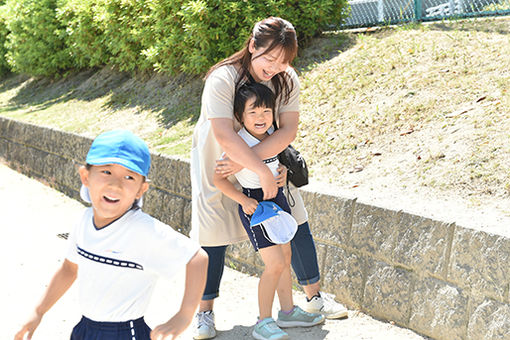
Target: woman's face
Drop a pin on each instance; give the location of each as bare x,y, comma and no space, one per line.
265,65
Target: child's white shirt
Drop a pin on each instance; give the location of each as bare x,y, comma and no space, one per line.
247,178
118,265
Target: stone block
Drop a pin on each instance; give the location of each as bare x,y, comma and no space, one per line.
243,252
165,207
186,217
387,293
422,244
490,321
329,216
322,254
243,267
4,148
479,263
439,309
171,175
373,230
343,275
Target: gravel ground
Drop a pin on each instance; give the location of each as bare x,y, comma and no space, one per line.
33,217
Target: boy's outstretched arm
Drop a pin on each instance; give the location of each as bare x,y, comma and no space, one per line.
59,284
196,273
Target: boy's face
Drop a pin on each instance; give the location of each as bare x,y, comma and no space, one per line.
257,119
113,190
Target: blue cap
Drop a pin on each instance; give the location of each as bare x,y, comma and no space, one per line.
120,147
278,226
264,211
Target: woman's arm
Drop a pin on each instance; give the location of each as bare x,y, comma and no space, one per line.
270,146
281,138
60,283
237,150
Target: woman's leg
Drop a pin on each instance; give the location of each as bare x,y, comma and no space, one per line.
214,275
274,261
304,263
304,260
284,287
204,320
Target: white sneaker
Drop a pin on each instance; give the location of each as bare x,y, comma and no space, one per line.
327,306
204,325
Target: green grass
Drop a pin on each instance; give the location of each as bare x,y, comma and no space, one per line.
417,106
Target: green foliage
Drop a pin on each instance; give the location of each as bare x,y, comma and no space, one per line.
85,22
4,67
172,36
199,33
128,31
36,43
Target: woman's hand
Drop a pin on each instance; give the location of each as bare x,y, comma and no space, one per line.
226,167
249,205
281,179
268,184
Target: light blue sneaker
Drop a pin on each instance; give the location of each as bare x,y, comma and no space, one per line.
268,330
299,318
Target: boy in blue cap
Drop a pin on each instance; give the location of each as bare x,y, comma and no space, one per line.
117,252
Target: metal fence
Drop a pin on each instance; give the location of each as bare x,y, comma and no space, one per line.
380,12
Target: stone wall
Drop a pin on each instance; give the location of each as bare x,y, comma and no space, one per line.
437,278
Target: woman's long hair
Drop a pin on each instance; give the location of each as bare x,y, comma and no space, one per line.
271,33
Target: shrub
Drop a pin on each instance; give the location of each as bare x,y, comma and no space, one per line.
128,31
198,33
49,36
36,42
85,27
4,67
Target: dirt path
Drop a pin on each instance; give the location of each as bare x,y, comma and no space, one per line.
33,215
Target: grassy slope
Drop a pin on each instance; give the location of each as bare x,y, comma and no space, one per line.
422,110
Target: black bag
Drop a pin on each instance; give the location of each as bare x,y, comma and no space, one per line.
297,171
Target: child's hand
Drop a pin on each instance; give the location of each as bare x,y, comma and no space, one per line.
29,327
249,205
281,179
171,329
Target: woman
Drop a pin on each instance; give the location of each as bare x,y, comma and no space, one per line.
266,58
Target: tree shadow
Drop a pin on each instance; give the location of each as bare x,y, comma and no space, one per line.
11,80
322,49
173,99
244,332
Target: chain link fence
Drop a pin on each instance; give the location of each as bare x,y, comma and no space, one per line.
365,13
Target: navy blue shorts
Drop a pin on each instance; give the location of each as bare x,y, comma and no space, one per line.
88,329
257,234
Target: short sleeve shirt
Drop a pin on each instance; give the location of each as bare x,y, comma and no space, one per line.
247,178
118,265
214,217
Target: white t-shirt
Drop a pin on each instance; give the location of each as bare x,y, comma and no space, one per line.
247,178
118,265
214,217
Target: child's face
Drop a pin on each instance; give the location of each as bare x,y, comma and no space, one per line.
113,190
257,119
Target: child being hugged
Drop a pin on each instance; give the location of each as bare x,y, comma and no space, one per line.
254,106
117,252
